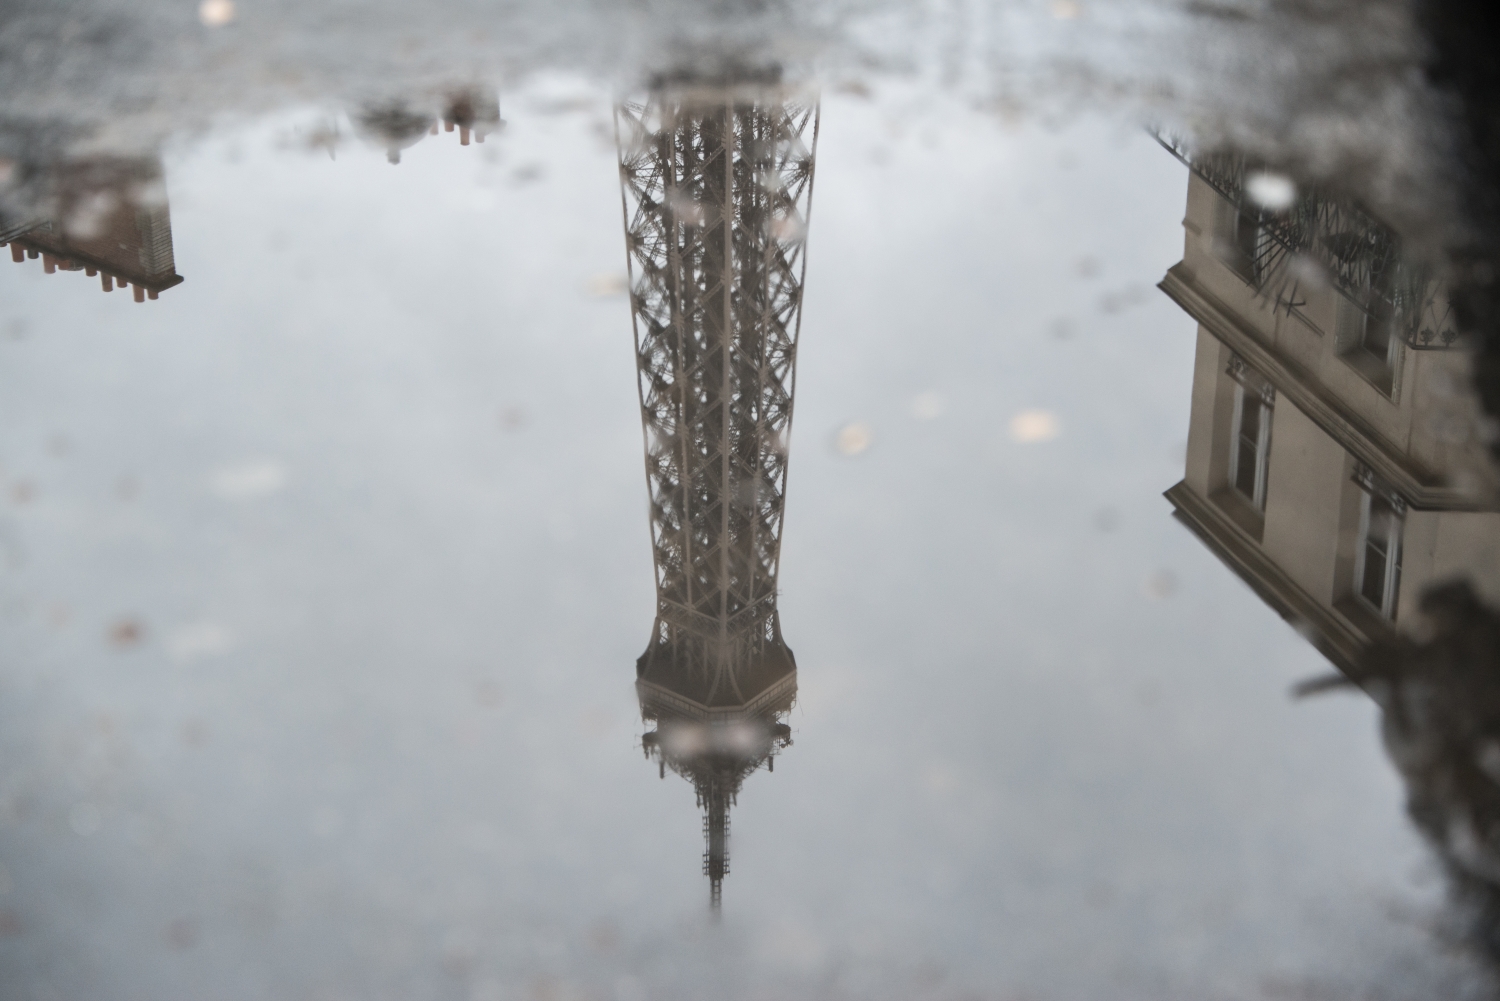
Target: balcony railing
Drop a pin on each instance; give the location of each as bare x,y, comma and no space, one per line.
1319,235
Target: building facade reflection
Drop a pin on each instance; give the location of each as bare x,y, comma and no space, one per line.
1335,458
105,216
717,182
400,124
1337,463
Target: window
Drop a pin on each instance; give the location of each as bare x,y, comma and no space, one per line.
1377,560
1250,435
1247,234
1377,334
1367,340
1239,238
1370,324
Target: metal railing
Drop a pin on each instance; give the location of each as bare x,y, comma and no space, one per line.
1359,256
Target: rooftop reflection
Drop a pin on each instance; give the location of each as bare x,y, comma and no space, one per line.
104,215
400,124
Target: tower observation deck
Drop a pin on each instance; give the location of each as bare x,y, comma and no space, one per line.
717,181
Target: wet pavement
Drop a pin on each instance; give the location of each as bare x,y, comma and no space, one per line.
417,581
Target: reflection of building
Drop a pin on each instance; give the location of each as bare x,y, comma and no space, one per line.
103,216
1334,460
397,125
717,186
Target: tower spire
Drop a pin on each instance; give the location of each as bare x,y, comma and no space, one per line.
715,804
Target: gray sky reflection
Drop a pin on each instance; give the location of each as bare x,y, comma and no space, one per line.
386,547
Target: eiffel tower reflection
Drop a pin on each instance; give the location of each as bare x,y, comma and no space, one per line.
717,181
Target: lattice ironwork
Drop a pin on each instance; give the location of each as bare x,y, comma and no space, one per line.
1360,256
717,186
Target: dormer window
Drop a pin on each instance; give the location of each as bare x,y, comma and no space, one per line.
1368,341
1238,238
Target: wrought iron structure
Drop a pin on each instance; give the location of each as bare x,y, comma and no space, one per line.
717,183
1359,255
717,756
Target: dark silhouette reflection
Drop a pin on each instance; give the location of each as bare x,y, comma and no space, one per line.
398,124
717,185
106,216
1337,463
1440,702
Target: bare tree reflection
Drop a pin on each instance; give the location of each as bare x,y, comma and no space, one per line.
1440,719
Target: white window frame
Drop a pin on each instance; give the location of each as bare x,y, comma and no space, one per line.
1391,577
1239,232
1352,342
1392,342
1265,397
